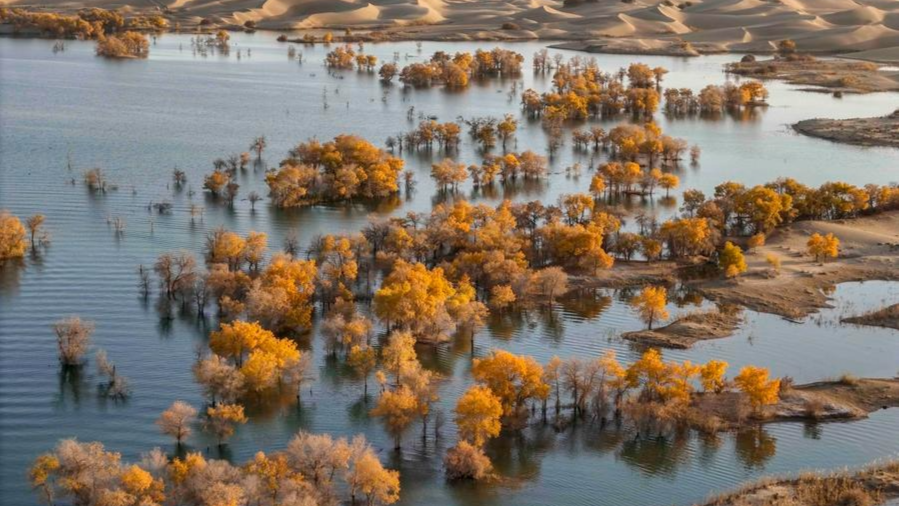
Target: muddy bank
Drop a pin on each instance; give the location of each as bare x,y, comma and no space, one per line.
887,317
836,75
882,131
684,332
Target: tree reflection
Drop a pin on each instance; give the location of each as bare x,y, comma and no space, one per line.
755,447
656,456
72,380
587,304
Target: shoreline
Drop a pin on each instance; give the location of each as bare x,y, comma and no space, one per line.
870,132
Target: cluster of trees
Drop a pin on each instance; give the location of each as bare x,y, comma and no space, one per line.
85,24
343,169
279,295
342,58
447,135
630,178
635,142
509,167
736,211
455,71
313,469
248,359
653,394
584,91
128,44
714,99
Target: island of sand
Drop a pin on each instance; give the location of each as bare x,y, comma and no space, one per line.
683,332
867,28
882,131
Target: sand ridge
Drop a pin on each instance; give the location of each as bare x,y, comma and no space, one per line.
826,26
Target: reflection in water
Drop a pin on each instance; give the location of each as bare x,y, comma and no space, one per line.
755,447
72,382
10,277
656,456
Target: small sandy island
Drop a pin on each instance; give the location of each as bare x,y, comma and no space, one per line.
684,332
869,251
875,484
882,131
867,29
887,317
833,75
847,398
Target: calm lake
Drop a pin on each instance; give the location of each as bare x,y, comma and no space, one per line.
140,119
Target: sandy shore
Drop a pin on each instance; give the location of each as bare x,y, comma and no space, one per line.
882,131
684,332
869,251
868,28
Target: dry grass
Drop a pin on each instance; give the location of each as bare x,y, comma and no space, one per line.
865,487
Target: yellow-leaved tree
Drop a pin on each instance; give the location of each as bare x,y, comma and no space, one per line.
478,414
650,304
12,237
754,382
514,379
731,261
823,246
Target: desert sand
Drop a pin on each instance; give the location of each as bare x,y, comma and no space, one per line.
869,250
869,28
861,131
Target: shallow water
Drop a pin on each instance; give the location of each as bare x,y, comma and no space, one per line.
139,119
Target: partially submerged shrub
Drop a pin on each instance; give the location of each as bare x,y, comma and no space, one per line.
467,462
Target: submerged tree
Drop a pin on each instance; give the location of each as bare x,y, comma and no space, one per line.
12,237
176,420
73,339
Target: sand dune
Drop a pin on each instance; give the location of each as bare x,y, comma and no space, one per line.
826,26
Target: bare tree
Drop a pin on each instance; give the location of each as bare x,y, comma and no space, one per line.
176,420
73,337
176,271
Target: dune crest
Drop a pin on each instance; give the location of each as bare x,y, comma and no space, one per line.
824,26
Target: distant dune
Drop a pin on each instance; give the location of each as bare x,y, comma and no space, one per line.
824,26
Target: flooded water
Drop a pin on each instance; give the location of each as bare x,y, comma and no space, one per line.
140,119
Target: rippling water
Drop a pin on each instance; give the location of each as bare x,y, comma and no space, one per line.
140,119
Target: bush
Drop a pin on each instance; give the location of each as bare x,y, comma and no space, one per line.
127,45
467,462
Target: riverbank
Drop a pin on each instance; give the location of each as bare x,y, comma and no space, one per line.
883,131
